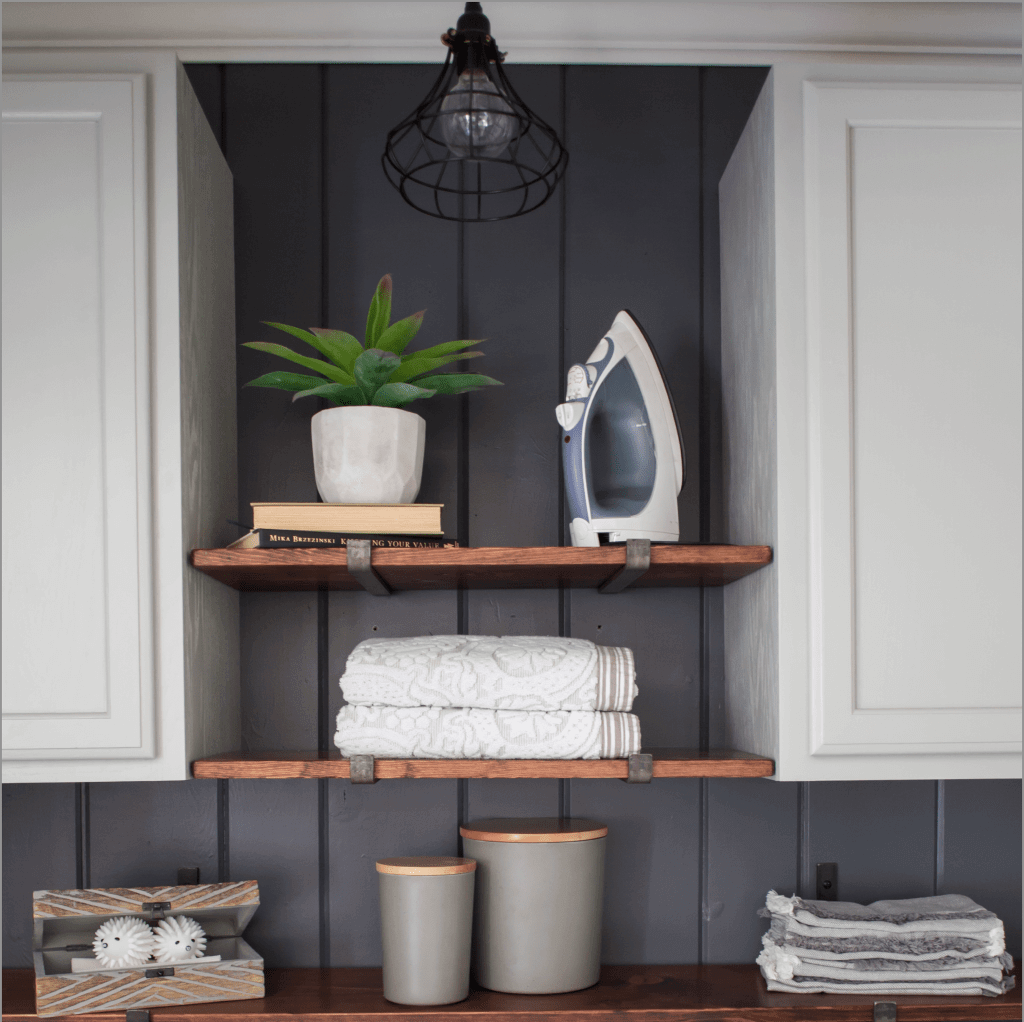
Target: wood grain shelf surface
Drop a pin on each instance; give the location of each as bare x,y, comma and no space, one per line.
478,567
637,993
667,763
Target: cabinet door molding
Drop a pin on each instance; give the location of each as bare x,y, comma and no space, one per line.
914,357
77,652
871,311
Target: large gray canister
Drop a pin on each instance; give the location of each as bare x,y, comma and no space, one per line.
539,888
426,927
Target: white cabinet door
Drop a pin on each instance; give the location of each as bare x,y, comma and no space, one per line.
77,663
871,384
914,384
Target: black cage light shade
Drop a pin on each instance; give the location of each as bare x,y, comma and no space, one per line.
473,151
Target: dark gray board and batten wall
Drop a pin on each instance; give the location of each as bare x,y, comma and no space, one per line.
635,225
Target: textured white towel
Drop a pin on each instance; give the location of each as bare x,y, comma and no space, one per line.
517,672
432,732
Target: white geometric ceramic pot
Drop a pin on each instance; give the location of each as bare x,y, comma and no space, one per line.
368,455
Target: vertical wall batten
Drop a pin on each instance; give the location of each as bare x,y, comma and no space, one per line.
324,870
220,129
324,721
703,878
564,594
939,883
325,731
804,869
83,870
462,476
223,832
704,535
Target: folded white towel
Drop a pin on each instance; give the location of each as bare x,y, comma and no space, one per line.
517,672
432,732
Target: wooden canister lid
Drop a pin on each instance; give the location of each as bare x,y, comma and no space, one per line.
533,830
426,865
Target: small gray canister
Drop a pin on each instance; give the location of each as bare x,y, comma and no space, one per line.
537,919
426,927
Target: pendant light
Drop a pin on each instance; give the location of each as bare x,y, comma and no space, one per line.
473,151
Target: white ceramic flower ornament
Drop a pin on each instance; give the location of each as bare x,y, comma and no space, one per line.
122,942
178,938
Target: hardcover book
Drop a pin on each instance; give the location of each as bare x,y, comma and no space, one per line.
267,539
383,519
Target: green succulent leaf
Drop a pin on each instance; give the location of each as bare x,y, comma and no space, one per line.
332,372
379,316
457,383
440,349
417,366
397,336
286,381
336,392
340,347
295,331
394,395
372,369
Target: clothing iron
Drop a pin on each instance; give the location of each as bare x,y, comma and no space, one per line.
621,448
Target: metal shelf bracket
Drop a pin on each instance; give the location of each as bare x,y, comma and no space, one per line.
358,554
155,910
641,768
638,560
360,770
884,1011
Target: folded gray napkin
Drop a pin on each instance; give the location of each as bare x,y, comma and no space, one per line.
952,913
947,944
956,987
913,945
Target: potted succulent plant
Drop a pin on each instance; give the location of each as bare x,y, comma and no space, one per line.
369,449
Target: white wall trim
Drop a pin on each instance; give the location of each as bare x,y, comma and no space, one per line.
672,32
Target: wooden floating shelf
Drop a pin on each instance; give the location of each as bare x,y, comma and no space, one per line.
299,568
640,993
667,763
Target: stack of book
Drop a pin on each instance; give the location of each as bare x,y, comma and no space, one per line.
333,525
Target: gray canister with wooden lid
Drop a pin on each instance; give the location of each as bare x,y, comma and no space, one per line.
426,927
537,919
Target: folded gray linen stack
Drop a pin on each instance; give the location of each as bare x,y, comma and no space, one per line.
485,697
946,944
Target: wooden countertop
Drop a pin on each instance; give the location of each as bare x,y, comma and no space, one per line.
637,993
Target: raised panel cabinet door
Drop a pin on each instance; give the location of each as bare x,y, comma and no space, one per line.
914,383
77,663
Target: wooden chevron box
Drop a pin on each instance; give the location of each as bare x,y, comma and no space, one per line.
66,921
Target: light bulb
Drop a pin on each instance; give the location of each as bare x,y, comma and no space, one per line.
476,121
